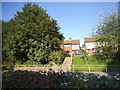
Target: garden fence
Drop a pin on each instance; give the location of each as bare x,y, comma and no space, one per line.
96,68
86,68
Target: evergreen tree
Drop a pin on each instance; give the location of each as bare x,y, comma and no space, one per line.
33,36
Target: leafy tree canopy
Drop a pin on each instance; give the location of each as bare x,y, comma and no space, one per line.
107,35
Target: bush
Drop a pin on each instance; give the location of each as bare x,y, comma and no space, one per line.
57,56
18,62
28,79
8,65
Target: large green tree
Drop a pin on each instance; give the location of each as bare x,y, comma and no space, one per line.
33,36
107,35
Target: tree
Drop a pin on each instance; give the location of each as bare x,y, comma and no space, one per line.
107,37
34,36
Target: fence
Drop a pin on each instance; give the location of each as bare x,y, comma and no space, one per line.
86,68
96,68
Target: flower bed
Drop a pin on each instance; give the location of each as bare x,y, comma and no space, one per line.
29,79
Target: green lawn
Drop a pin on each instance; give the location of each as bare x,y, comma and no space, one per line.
79,64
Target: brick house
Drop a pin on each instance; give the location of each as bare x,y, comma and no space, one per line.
90,45
71,46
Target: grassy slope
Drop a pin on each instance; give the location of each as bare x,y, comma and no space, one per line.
79,61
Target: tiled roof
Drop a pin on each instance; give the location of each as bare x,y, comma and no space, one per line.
89,39
71,41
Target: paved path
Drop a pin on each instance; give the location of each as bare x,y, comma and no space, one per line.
66,66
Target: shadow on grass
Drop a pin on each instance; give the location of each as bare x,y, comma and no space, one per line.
114,65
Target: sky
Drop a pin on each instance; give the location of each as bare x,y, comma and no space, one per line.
76,19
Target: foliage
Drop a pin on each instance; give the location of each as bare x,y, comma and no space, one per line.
8,65
107,37
28,79
33,36
6,32
6,28
84,51
57,56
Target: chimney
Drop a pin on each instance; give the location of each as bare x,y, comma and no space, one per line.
70,38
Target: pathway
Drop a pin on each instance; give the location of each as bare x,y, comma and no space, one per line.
66,66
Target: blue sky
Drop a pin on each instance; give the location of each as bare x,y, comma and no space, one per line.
76,19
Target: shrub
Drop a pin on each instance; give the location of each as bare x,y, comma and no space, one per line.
9,65
18,62
28,79
57,56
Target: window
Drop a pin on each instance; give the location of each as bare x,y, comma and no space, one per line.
67,45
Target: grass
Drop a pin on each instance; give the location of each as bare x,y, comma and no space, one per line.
79,64
78,60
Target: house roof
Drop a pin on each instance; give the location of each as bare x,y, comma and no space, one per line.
71,41
89,39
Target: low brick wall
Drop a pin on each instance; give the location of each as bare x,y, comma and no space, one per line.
37,68
31,68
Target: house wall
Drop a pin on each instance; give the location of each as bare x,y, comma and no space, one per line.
90,51
72,46
90,47
75,47
68,47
